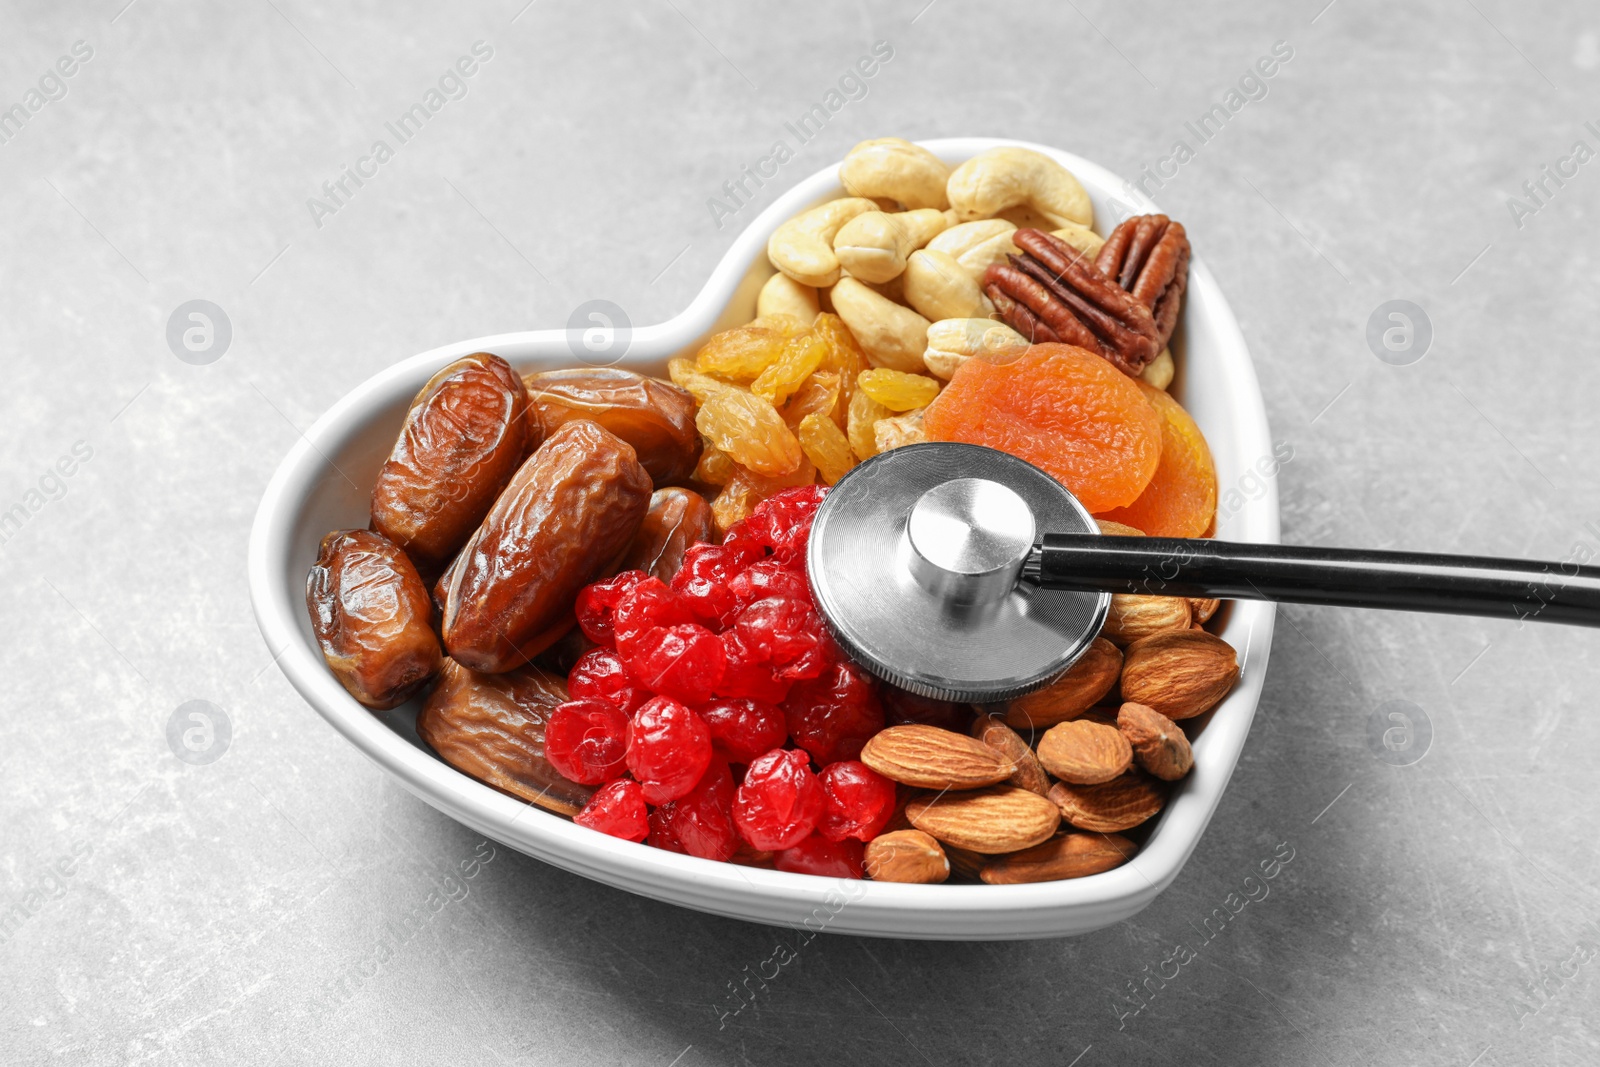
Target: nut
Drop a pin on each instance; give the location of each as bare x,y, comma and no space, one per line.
897,430
1004,177
1070,695
931,758
1082,238
1159,746
1148,255
964,861
1134,615
906,856
1067,856
1181,674
1084,753
975,245
892,336
938,287
1054,293
803,247
1203,608
1160,371
874,246
1027,773
895,169
1111,807
951,342
991,821
782,295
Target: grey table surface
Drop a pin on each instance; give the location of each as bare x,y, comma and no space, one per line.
273,905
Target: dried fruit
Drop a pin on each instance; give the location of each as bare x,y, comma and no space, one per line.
715,466
800,356
668,749
746,489
1072,694
743,729
1026,770
1000,819
1061,409
685,661
1159,746
742,353
1181,497
369,612
1111,807
779,802
824,858
1134,615
653,416
750,430
897,431
844,358
586,740
600,675
677,518
897,390
931,758
492,727
1067,856
826,446
1181,674
1084,753
901,707
863,415
568,512
909,856
832,715
817,395
701,822
618,810
859,801
464,436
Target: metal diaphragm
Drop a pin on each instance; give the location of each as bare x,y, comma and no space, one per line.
914,558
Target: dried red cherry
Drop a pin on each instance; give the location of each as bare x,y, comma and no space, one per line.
783,520
686,662
745,675
701,823
703,578
597,601
586,740
860,801
618,810
600,675
647,604
819,856
669,749
768,577
833,715
743,728
901,708
780,800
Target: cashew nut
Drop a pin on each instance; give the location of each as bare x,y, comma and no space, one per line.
940,288
874,245
1082,238
803,247
952,342
1004,177
1160,371
895,169
975,245
782,295
892,336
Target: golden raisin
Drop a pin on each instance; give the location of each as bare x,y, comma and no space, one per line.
740,354
897,390
900,430
863,415
800,356
750,430
826,446
746,489
714,468
818,393
844,357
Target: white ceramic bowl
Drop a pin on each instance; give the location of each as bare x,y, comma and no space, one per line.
307,497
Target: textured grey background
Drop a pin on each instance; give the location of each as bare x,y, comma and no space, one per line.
1441,913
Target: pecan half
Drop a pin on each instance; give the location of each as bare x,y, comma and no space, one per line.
1053,292
1148,255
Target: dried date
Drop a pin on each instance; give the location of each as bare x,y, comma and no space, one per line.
569,513
655,417
491,726
677,519
369,611
464,437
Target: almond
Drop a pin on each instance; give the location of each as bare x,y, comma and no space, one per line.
1026,769
1180,674
1158,743
1133,616
1085,753
1202,608
1067,856
1001,819
1114,806
964,861
932,758
1073,693
906,856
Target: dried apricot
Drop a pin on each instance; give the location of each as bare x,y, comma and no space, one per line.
1060,408
826,446
897,390
750,430
1182,497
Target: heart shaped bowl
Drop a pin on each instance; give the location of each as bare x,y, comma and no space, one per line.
324,484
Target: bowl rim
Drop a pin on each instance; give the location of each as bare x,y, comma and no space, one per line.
946,912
